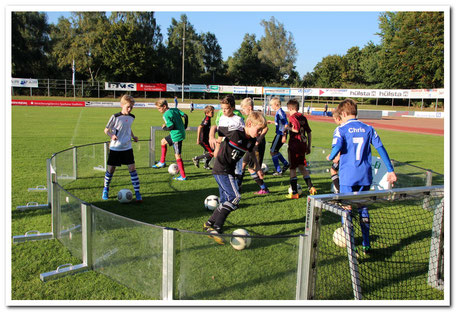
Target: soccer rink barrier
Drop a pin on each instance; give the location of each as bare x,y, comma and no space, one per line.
175,264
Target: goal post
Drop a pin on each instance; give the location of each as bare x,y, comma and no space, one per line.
406,236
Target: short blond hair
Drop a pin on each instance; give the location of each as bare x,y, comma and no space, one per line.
256,119
247,102
275,100
161,103
127,99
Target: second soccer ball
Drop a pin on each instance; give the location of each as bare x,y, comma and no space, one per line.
173,169
211,202
290,191
240,243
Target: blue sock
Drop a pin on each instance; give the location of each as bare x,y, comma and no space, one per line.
365,226
275,160
282,159
134,180
107,180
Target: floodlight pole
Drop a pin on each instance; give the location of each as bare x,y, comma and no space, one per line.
183,58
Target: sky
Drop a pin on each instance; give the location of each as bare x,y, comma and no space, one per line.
315,34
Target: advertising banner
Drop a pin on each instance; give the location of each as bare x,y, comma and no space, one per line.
151,87
254,90
213,89
171,87
48,103
120,86
226,89
24,83
239,90
276,91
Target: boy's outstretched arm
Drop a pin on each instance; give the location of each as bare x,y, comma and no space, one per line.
391,176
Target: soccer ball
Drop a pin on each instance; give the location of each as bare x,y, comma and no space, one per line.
240,243
339,237
125,196
173,169
211,202
264,168
290,190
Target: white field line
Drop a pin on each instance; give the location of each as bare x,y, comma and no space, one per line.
75,132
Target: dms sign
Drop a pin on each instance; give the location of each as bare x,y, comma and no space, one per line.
120,86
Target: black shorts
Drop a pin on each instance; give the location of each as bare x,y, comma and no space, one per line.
254,159
276,143
119,158
176,145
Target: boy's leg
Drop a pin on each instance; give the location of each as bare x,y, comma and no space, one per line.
228,186
177,150
135,181
107,181
306,176
164,148
335,177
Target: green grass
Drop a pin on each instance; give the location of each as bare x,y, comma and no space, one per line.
38,132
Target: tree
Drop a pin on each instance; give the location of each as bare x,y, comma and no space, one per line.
353,73
213,60
412,54
245,67
30,45
369,64
131,51
81,38
194,52
278,49
329,72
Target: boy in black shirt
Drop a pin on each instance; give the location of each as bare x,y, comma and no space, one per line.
202,138
233,147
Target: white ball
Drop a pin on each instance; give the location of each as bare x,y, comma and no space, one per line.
290,190
211,202
124,196
240,243
339,237
264,168
173,169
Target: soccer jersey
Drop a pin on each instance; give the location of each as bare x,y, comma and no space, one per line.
354,139
280,121
206,127
120,125
173,116
299,122
232,149
220,114
231,123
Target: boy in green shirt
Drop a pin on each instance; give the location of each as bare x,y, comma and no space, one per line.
174,124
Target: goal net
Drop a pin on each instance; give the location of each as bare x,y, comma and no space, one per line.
405,261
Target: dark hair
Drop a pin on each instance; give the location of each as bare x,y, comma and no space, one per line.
293,103
229,99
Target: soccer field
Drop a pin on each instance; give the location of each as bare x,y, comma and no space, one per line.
38,132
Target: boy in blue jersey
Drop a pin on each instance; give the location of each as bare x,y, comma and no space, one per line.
281,122
353,139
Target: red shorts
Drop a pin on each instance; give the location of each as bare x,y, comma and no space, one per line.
297,154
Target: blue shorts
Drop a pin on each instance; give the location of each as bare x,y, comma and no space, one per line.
353,188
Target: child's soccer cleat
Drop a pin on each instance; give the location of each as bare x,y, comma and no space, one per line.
180,178
159,165
218,239
277,174
196,162
105,195
366,250
312,190
292,196
285,168
138,197
262,192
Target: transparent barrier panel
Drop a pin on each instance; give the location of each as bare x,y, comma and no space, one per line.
266,270
141,152
91,160
128,251
405,243
70,223
65,166
189,147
